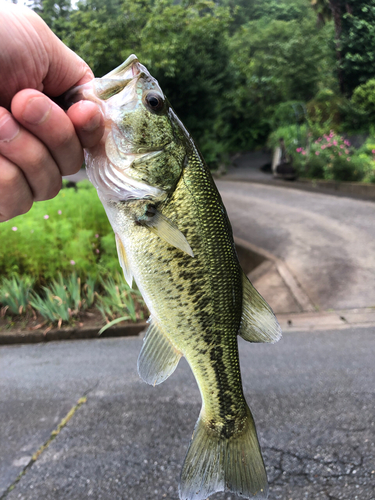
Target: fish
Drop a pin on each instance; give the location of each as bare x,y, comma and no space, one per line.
175,241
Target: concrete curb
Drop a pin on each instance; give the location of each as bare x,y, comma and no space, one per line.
291,282
356,190
31,337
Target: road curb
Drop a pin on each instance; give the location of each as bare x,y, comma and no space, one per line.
32,337
291,282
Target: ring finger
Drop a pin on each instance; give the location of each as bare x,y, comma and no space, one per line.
16,197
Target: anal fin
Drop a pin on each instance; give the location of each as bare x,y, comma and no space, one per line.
128,275
258,323
158,358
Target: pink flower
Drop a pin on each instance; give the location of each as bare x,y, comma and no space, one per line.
373,151
303,152
97,250
346,151
331,133
348,159
46,217
96,236
322,147
335,143
317,153
14,228
299,150
342,146
72,262
328,139
59,212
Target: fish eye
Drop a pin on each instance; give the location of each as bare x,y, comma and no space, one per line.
154,101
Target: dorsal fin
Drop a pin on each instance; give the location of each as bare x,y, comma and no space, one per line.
158,358
258,323
128,275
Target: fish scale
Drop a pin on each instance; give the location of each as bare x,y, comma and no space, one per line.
174,239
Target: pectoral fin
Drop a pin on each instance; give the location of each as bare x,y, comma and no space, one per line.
128,275
158,358
165,229
258,323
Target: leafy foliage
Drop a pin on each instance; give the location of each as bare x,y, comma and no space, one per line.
60,235
357,41
364,99
14,294
62,299
118,298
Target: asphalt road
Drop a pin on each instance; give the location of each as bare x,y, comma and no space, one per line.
312,396
328,242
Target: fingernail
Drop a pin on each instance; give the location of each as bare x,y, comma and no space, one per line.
36,110
9,128
93,124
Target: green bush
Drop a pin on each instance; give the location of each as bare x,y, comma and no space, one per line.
315,167
363,99
64,234
366,154
325,111
348,169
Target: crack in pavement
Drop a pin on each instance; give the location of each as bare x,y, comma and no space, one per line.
64,421
284,467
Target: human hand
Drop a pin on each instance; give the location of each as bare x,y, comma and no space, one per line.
39,142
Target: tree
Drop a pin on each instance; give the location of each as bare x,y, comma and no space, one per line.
273,62
56,13
357,40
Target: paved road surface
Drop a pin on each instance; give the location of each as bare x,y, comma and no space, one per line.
328,242
312,395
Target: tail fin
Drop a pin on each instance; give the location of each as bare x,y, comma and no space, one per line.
215,463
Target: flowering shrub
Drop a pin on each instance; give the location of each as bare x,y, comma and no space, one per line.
331,156
335,154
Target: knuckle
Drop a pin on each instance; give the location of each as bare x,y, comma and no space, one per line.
51,190
64,138
37,160
25,207
55,188
9,178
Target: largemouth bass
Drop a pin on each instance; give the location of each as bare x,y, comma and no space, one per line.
175,241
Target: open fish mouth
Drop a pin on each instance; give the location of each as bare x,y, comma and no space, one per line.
101,89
